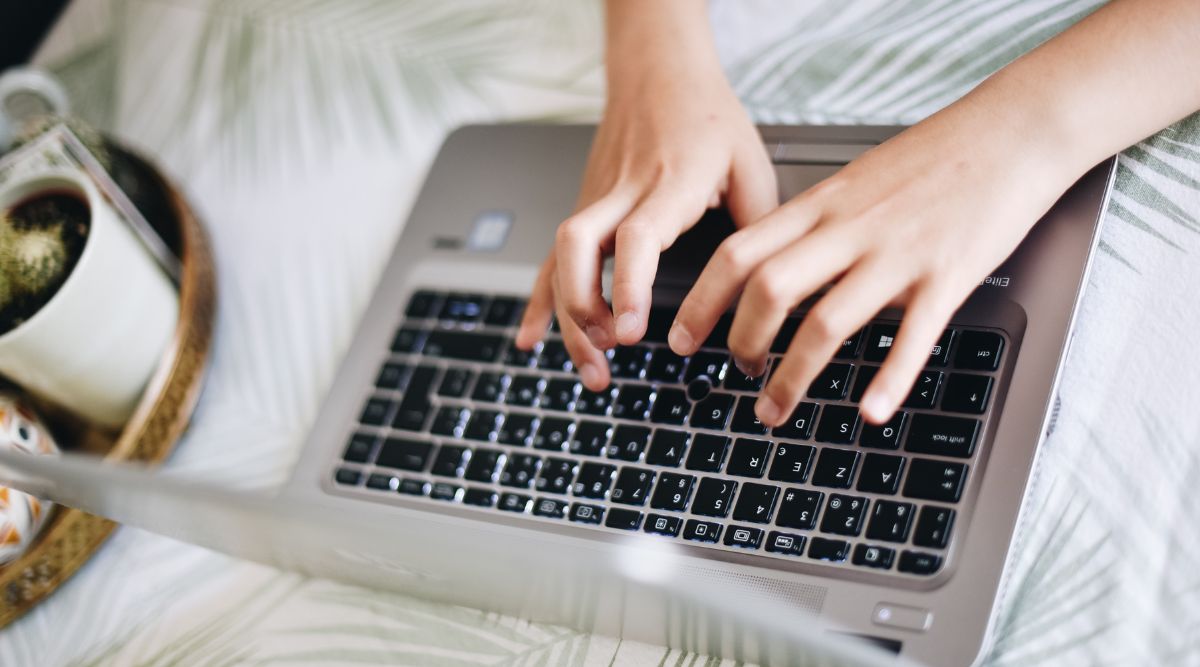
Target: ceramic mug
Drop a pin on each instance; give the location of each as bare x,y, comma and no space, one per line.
95,344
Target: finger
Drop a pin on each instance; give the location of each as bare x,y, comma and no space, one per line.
540,308
729,268
577,247
752,191
779,285
856,298
928,312
649,230
589,361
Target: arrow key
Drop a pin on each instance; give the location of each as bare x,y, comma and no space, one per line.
967,393
880,473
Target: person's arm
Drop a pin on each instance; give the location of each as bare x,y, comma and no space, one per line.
921,219
673,140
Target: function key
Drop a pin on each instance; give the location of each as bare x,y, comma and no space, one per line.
514,502
831,383
628,442
671,406
749,458
850,347
844,514
788,544
924,391
880,474
744,419
423,304
503,311
890,521
348,476
623,519
916,562
393,376
967,393
712,412
942,435
743,537
550,508
707,452
713,497
834,551
462,308
935,480
885,435
710,365
799,509
657,524
839,424
872,556
791,463
358,449
667,448
583,513
629,362
376,411
633,402
632,486
701,531
835,468
479,497
404,454
665,366
593,480
444,491
672,492
939,354
800,425
979,350
933,527
879,341
755,503
464,345
519,470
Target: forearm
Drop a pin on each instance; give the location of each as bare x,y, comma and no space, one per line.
662,39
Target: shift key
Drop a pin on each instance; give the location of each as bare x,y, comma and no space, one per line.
941,435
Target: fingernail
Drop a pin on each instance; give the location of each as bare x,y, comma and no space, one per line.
627,325
748,369
768,410
598,336
590,374
679,339
874,406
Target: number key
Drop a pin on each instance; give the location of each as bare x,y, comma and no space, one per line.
713,497
844,514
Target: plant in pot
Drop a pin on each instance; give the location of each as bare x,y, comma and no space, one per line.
40,241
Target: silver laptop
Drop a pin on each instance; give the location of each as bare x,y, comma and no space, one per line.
437,425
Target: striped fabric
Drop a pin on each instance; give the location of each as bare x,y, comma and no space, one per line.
301,130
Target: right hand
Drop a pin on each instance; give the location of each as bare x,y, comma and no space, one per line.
674,141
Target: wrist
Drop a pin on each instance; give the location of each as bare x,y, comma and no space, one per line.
649,44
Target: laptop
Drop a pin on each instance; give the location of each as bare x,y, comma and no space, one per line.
493,479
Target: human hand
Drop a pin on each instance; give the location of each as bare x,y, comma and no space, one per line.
674,140
918,222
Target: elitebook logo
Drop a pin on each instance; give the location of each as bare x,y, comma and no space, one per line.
995,281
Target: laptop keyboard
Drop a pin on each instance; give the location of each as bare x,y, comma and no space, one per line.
672,447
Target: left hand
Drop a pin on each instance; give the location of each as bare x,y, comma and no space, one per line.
918,221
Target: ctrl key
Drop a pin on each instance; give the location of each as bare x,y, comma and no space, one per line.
787,544
915,562
701,531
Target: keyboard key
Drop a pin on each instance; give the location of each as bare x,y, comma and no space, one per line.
935,480
358,450
413,487
559,395
890,521
667,447
672,492
348,477
589,438
783,338
553,434
735,380
629,362
462,308
404,454
832,382
800,425
879,341
839,424
755,503
665,366
623,519
915,562
713,497
409,340
520,470
979,350
488,387
671,406
503,312
455,382
658,524
517,429
967,393
850,347
393,376
880,474
444,491
594,402
701,531
479,497
514,502
482,425
523,390
942,435
844,514
713,412
587,513
743,537
710,365
632,486
449,421
633,402
933,527
788,544
376,411
834,551
791,463
482,466
550,508
744,419
554,357
799,509
862,381
449,461
884,436
835,468
924,391
628,442
749,458
423,304
707,452
873,556
940,353
464,345
555,476
593,480
415,408
515,356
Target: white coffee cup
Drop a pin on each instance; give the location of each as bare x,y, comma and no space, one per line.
95,344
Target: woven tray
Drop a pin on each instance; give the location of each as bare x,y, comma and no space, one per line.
71,536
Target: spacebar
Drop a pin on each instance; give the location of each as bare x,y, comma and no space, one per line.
463,345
